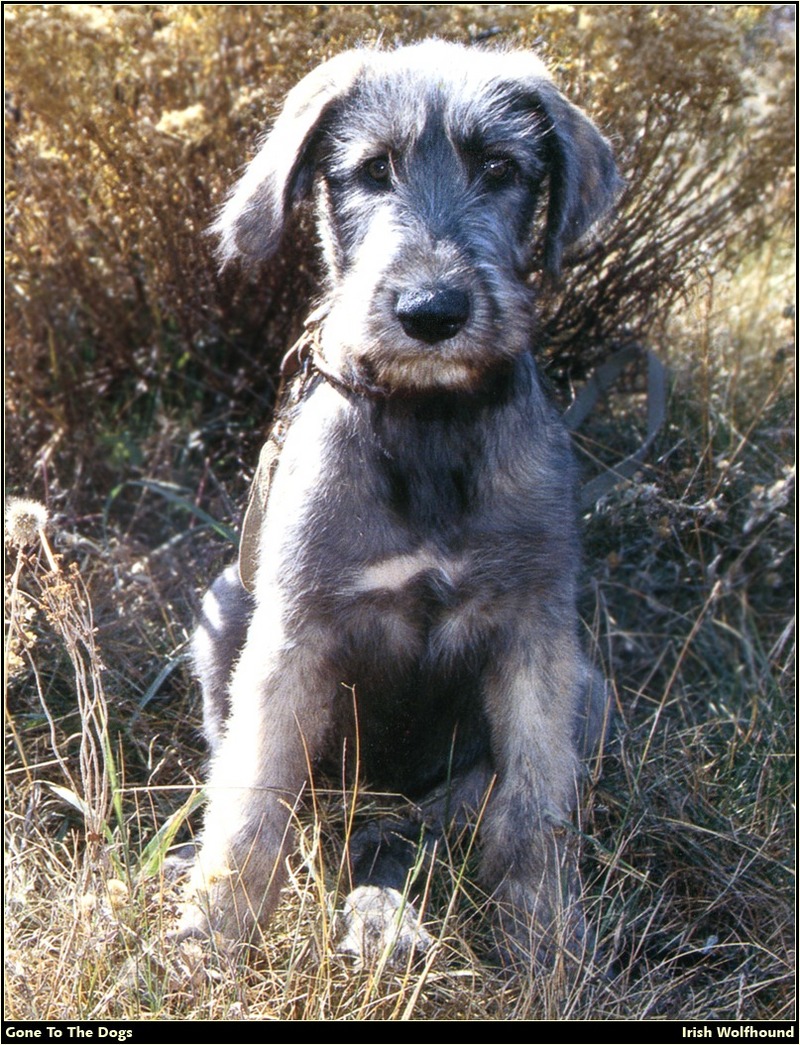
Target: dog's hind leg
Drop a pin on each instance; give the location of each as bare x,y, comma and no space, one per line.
217,643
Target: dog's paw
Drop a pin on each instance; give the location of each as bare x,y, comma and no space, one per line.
193,924
212,909
381,924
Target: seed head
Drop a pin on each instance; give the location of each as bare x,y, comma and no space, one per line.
26,521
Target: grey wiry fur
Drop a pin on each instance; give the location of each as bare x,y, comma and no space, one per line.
418,552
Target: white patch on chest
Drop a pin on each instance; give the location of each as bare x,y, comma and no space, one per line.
397,571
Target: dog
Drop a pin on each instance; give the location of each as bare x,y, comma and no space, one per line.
404,606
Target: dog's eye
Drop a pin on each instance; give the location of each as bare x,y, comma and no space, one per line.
498,170
379,170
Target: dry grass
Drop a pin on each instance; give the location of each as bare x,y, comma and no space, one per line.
137,397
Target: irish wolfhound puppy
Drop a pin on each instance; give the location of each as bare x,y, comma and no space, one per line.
408,566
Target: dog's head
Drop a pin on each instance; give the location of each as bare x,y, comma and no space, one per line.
439,169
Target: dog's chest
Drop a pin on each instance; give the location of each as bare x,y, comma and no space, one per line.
403,509
359,484
429,506
400,540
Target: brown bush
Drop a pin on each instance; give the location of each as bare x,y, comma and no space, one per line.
127,123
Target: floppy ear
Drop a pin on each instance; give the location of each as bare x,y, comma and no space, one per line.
582,173
282,172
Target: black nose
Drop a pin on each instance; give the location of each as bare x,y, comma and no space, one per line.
432,315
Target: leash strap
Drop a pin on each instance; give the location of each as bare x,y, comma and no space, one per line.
296,373
597,385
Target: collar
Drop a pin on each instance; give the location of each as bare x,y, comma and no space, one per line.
306,358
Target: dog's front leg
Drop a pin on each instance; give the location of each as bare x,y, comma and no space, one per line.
279,716
527,864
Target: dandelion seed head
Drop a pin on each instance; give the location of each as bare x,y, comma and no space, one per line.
118,894
26,520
